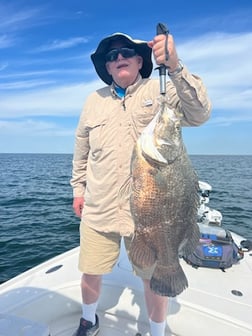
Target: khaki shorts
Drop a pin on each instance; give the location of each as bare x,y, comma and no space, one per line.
99,252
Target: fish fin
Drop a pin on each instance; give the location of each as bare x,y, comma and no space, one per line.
140,253
190,242
167,282
125,189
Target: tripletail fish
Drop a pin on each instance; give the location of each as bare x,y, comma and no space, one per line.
164,203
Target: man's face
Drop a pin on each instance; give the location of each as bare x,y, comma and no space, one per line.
124,70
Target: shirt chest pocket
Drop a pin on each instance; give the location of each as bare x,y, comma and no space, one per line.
96,136
143,116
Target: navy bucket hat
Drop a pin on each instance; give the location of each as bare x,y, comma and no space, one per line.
141,47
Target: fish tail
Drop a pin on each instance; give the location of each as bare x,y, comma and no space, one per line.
167,282
140,253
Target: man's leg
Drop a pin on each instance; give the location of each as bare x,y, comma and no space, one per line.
90,289
98,254
157,310
156,304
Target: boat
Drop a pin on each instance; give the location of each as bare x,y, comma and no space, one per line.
46,300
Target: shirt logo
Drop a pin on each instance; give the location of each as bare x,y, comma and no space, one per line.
148,102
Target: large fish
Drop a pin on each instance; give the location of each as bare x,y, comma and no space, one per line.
164,202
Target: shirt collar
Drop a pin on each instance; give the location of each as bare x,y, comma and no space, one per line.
129,90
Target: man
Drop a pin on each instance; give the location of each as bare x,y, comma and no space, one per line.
112,119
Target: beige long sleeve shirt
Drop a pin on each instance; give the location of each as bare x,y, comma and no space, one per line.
107,131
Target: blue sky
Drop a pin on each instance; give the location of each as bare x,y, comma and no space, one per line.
46,72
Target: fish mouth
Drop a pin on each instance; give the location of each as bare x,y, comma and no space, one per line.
148,144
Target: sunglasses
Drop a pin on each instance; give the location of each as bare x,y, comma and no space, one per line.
112,55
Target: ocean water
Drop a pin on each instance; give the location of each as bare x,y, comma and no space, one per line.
36,217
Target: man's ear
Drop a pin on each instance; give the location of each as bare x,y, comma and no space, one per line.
140,61
107,68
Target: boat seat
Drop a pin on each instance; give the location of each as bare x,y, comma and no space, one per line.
15,325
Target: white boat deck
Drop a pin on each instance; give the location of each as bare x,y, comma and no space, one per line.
39,302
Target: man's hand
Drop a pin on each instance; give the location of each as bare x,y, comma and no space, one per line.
158,45
78,203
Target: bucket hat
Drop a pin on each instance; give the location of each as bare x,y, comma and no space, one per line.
141,47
